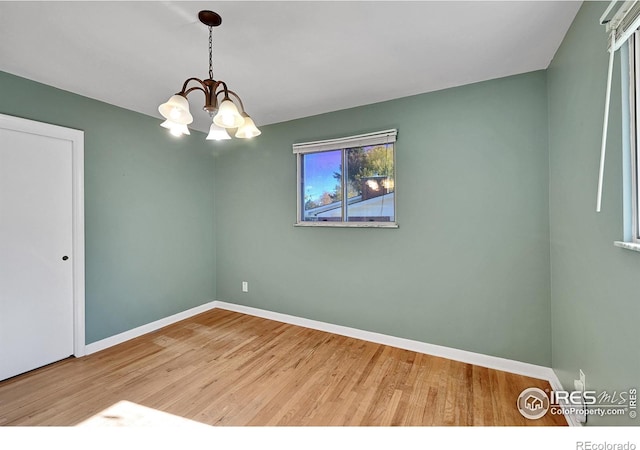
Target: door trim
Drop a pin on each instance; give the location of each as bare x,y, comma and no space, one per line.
76,137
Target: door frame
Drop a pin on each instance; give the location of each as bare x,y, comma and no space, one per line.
76,137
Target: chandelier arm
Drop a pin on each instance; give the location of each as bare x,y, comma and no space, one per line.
207,87
194,88
184,91
225,89
198,88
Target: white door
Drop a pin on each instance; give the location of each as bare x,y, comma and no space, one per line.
36,249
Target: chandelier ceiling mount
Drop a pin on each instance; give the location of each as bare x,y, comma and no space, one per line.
210,18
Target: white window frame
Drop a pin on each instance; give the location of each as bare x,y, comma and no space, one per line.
622,24
362,140
634,131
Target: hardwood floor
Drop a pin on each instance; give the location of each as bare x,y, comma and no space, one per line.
226,368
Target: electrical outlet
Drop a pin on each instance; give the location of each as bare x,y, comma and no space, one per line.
581,386
245,286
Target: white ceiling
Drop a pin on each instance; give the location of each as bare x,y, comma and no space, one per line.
286,60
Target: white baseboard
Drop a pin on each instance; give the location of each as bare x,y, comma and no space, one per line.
478,359
148,328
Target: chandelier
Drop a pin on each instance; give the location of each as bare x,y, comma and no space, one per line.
219,101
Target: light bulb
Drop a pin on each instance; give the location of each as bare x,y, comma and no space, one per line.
227,120
228,115
248,128
217,133
175,113
176,109
176,129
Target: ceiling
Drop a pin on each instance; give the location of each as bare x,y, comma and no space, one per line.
286,60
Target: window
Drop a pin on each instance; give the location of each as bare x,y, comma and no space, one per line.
347,182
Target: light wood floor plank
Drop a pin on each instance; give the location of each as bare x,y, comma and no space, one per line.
227,368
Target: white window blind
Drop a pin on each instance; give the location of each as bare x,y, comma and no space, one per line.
624,22
361,140
621,23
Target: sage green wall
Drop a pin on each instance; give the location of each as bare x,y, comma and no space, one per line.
594,295
469,266
149,222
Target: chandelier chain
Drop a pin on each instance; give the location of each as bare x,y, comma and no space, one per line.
210,53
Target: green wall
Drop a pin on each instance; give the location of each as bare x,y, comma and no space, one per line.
499,250
594,291
149,200
469,265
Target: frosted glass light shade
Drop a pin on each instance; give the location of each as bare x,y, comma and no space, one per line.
176,129
228,115
217,133
176,109
248,129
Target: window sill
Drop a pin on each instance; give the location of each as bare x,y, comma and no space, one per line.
347,224
628,245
